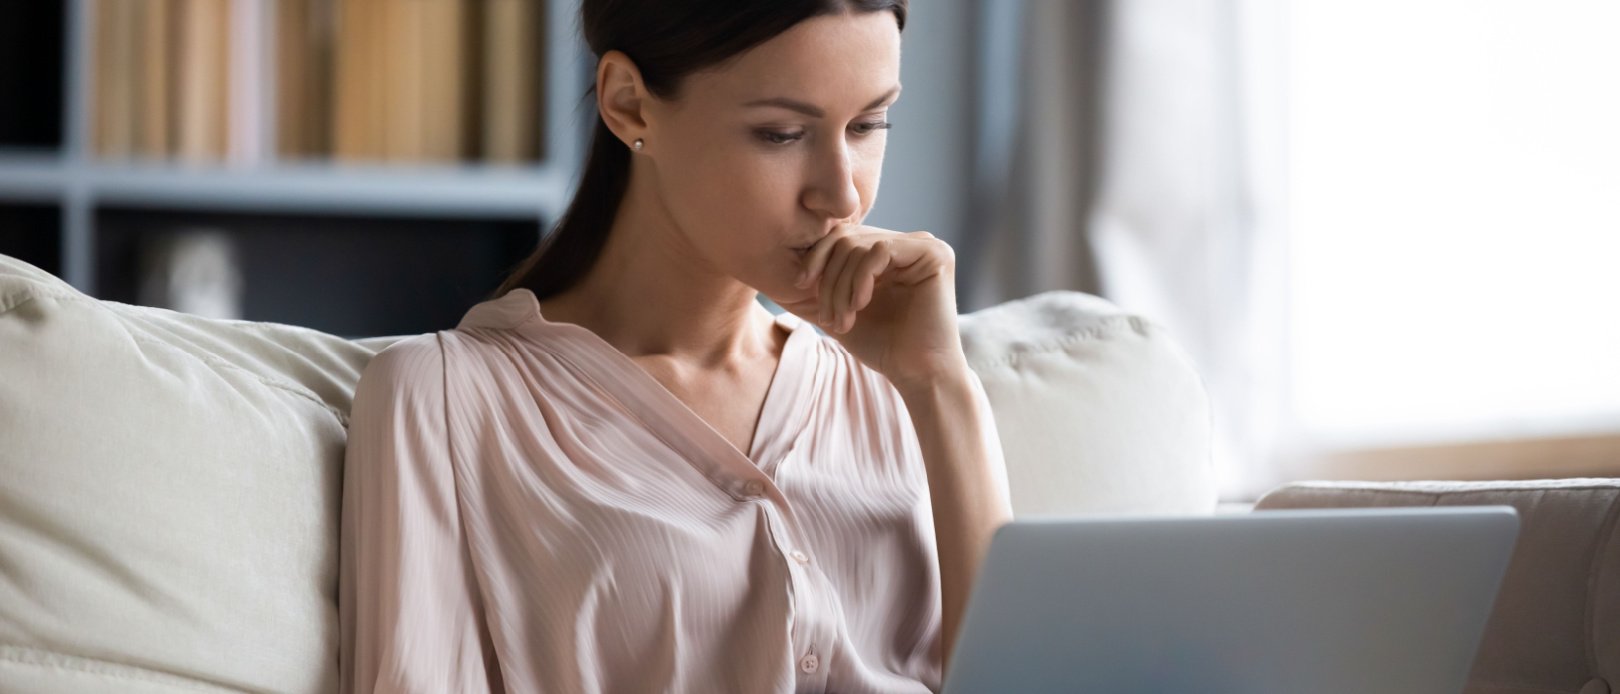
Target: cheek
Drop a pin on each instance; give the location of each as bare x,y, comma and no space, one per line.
749,205
868,173
735,207
725,180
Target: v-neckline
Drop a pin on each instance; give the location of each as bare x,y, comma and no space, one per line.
781,418
761,423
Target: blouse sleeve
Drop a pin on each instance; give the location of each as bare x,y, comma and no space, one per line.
410,616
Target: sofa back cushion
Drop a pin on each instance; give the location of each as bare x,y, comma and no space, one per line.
169,491
1099,410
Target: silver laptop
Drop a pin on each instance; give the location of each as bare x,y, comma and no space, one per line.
1352,601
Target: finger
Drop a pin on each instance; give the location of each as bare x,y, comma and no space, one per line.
923,259
844,289
803,308
872,267
834,264
815,260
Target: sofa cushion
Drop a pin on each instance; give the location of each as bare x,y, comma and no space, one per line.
1556,623
168,495
1099,411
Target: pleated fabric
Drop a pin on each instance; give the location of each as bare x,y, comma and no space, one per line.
525,509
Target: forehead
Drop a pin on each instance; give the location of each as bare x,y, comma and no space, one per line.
829,60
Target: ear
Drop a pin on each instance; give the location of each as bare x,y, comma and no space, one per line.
621,97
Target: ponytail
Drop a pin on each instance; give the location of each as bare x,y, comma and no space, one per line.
572,248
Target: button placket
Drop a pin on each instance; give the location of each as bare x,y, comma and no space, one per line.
814,607
807,602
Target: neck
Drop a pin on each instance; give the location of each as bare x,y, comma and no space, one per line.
650,293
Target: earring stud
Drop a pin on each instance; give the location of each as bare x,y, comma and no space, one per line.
637,144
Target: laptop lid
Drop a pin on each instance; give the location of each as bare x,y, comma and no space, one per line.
1358,601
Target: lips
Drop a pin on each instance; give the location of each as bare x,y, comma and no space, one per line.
806,246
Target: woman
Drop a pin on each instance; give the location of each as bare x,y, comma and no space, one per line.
624,474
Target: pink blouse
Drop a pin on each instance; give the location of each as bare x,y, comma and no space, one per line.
525,509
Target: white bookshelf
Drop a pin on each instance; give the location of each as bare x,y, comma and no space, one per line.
79,184
370,190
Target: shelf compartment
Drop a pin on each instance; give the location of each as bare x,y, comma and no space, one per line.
33,234
348,275
31,74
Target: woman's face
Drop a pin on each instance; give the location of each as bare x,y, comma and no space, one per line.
767,153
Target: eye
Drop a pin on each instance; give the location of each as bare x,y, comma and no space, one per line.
869,128
780,138
777,138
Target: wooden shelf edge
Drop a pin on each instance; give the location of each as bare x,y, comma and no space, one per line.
1595,455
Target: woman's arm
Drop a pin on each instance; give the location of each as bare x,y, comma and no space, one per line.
966,481
902,288
410,617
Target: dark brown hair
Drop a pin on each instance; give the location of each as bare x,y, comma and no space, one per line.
667,40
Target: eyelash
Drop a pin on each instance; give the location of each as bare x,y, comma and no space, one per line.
771,137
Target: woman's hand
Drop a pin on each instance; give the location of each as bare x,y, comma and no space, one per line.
889,298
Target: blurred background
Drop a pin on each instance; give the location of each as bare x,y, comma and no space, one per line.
1386,232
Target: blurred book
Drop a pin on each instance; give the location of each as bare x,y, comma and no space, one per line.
203,65
512,67
303,58
115,76
159,87
247,81
155,130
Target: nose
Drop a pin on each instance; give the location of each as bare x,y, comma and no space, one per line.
832,190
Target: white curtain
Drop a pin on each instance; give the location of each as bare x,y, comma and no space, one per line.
1144,163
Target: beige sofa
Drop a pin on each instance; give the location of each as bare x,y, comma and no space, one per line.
169,484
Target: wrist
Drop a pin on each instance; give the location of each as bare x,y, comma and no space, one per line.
944,379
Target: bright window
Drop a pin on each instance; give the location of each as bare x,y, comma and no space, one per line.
1455,187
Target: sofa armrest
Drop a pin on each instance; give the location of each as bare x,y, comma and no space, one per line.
1556,623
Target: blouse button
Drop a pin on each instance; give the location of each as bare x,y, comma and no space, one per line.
800,557
753,488
809,663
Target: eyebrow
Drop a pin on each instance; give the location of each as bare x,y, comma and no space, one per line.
812,111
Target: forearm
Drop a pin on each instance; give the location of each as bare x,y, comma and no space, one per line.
961,457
